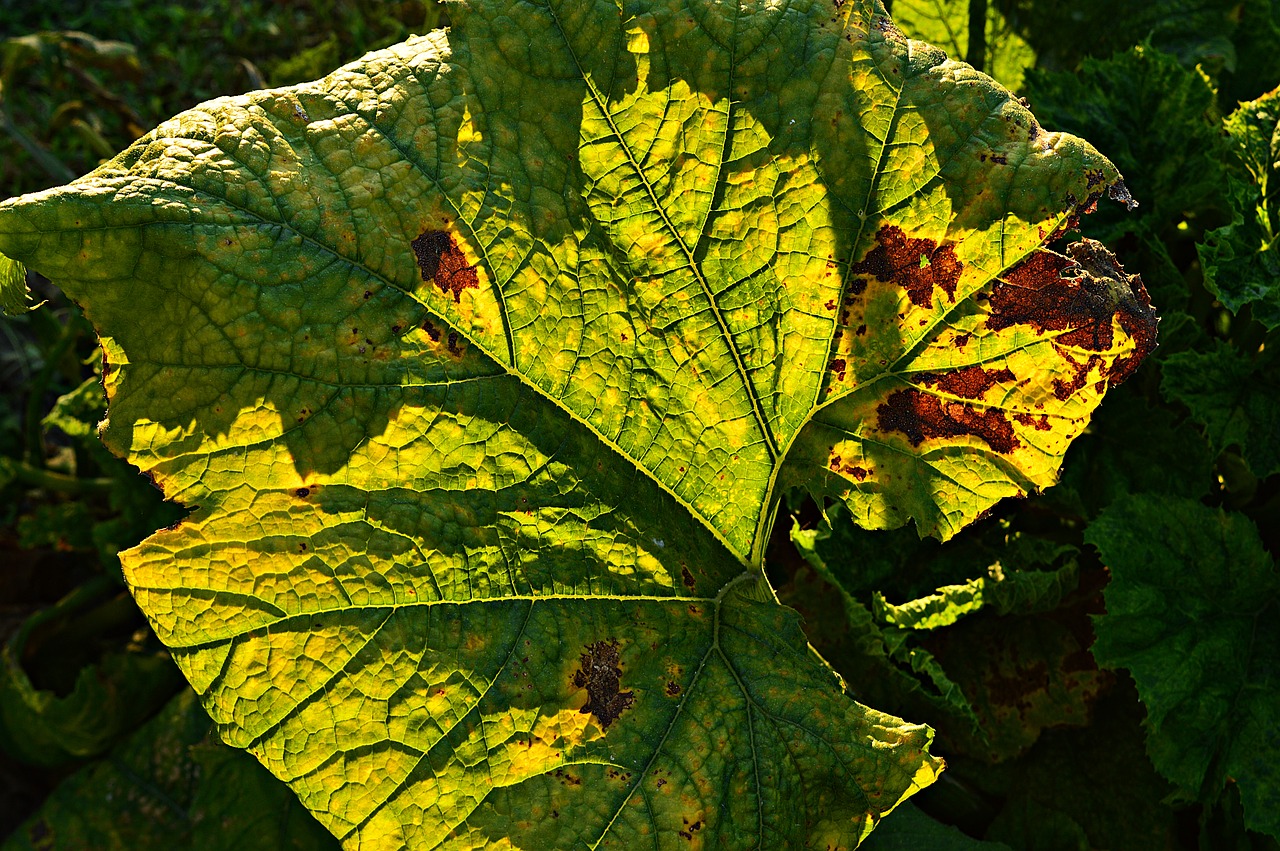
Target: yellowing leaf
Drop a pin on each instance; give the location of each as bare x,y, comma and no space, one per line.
482,364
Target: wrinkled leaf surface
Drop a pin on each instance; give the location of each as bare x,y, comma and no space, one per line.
482,364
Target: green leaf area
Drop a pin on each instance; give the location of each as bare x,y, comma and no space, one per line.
977,651
483,362
1241,260
1191,613
15,296
1235,398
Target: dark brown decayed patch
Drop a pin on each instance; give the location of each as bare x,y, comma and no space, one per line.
1041,424
838,465
440,260
687,578
920,415
601,676
1064,390
971,382
1082,304
896,259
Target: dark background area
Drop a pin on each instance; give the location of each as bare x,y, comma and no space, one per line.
103,746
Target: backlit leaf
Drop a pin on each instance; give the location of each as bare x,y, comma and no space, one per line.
1241,260
482,364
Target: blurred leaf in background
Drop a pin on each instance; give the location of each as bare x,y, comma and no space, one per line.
170,785
1003,52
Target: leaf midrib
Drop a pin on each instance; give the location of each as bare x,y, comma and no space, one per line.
762,422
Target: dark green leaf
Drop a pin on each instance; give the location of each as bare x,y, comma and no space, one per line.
1236,400
1132,447
1089,788
909,829
1241,260
1062,34
1192,614
102,700
171,785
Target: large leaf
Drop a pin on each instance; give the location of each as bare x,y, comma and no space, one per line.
1191,613
478,362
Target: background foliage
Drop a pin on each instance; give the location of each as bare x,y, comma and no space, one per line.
1099,660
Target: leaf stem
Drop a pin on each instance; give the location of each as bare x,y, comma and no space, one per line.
976,55
49,480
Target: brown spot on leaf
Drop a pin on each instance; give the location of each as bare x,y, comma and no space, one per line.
1120,192
673,689
302,493
916,265
690,828
920,416
1063,390
837,367
971,382
686,577
1078,295
432,331
601,676
440,260
1041,424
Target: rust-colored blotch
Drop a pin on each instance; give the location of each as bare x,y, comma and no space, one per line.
440,260
601,675
920,416
896,258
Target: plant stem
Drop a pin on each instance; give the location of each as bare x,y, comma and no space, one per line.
977,52
49,480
